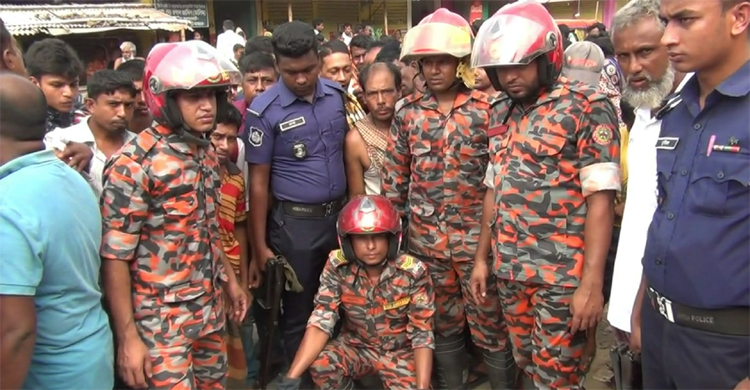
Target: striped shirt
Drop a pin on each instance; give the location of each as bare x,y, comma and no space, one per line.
231,211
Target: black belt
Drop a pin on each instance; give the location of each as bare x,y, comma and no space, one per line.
312,210
732,321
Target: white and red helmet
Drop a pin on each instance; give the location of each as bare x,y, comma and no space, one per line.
518,34
369,214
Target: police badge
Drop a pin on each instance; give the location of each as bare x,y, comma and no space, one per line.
300,150
256,136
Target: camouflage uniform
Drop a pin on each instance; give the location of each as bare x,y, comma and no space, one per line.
382,325
436,164
159,211
546,160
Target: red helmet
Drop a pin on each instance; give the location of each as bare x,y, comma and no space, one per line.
441,32
369,214
517,34
183,66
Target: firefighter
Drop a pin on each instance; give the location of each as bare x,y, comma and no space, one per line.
433,173
553,176
387,302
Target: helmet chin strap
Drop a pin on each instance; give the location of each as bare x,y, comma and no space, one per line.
188,137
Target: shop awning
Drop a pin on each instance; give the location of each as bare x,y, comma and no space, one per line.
86,18
576,24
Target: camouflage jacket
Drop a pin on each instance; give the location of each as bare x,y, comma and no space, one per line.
435,163
547,159
159,212
395,314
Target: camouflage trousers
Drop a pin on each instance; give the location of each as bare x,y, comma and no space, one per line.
199,364
455,305
538,318
340,362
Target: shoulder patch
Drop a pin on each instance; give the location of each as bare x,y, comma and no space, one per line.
255,136
337,258
610,69
602,135
410,264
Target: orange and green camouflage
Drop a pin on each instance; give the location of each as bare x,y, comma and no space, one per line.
159,213
436,164
546,159
382,324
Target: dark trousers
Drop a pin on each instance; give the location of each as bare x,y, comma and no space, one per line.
677,357
277,351
306,244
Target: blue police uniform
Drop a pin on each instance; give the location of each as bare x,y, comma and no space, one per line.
695,319
303,143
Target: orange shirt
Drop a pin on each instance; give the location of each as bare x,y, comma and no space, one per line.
231,211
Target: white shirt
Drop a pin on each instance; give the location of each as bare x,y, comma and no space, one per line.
639,210
225,43
81,133
242,165
347,39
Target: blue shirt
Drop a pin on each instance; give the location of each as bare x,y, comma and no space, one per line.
303,142
698,247
50,250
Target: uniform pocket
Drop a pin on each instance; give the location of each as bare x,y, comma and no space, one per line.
719,184
180,221
543,240
474,158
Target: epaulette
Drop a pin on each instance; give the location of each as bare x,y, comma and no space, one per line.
586,92
408,100
337,258
500,97
332,84
261,102
410,264
480,96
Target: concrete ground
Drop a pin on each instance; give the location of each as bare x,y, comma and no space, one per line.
597,379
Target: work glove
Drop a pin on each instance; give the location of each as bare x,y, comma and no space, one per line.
286,383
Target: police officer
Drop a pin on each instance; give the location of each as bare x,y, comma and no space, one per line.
694,321
294,134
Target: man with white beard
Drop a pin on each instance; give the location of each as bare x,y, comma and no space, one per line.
649,79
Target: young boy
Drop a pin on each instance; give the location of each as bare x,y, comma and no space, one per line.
54,67
386,299
232,216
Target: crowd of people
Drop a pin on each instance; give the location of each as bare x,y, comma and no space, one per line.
454,205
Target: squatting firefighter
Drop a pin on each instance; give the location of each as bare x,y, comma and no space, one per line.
433,173
164,270
387,302
549,207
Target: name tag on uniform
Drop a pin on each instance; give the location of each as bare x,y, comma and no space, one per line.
292,124
667,143
396,304
497,130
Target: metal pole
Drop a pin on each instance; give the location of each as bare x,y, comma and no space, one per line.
385,17
289,10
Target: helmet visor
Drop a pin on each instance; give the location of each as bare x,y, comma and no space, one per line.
192,65
436,38
507,40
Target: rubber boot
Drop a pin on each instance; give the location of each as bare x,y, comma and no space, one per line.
346,384
501,369
450,362
528,383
